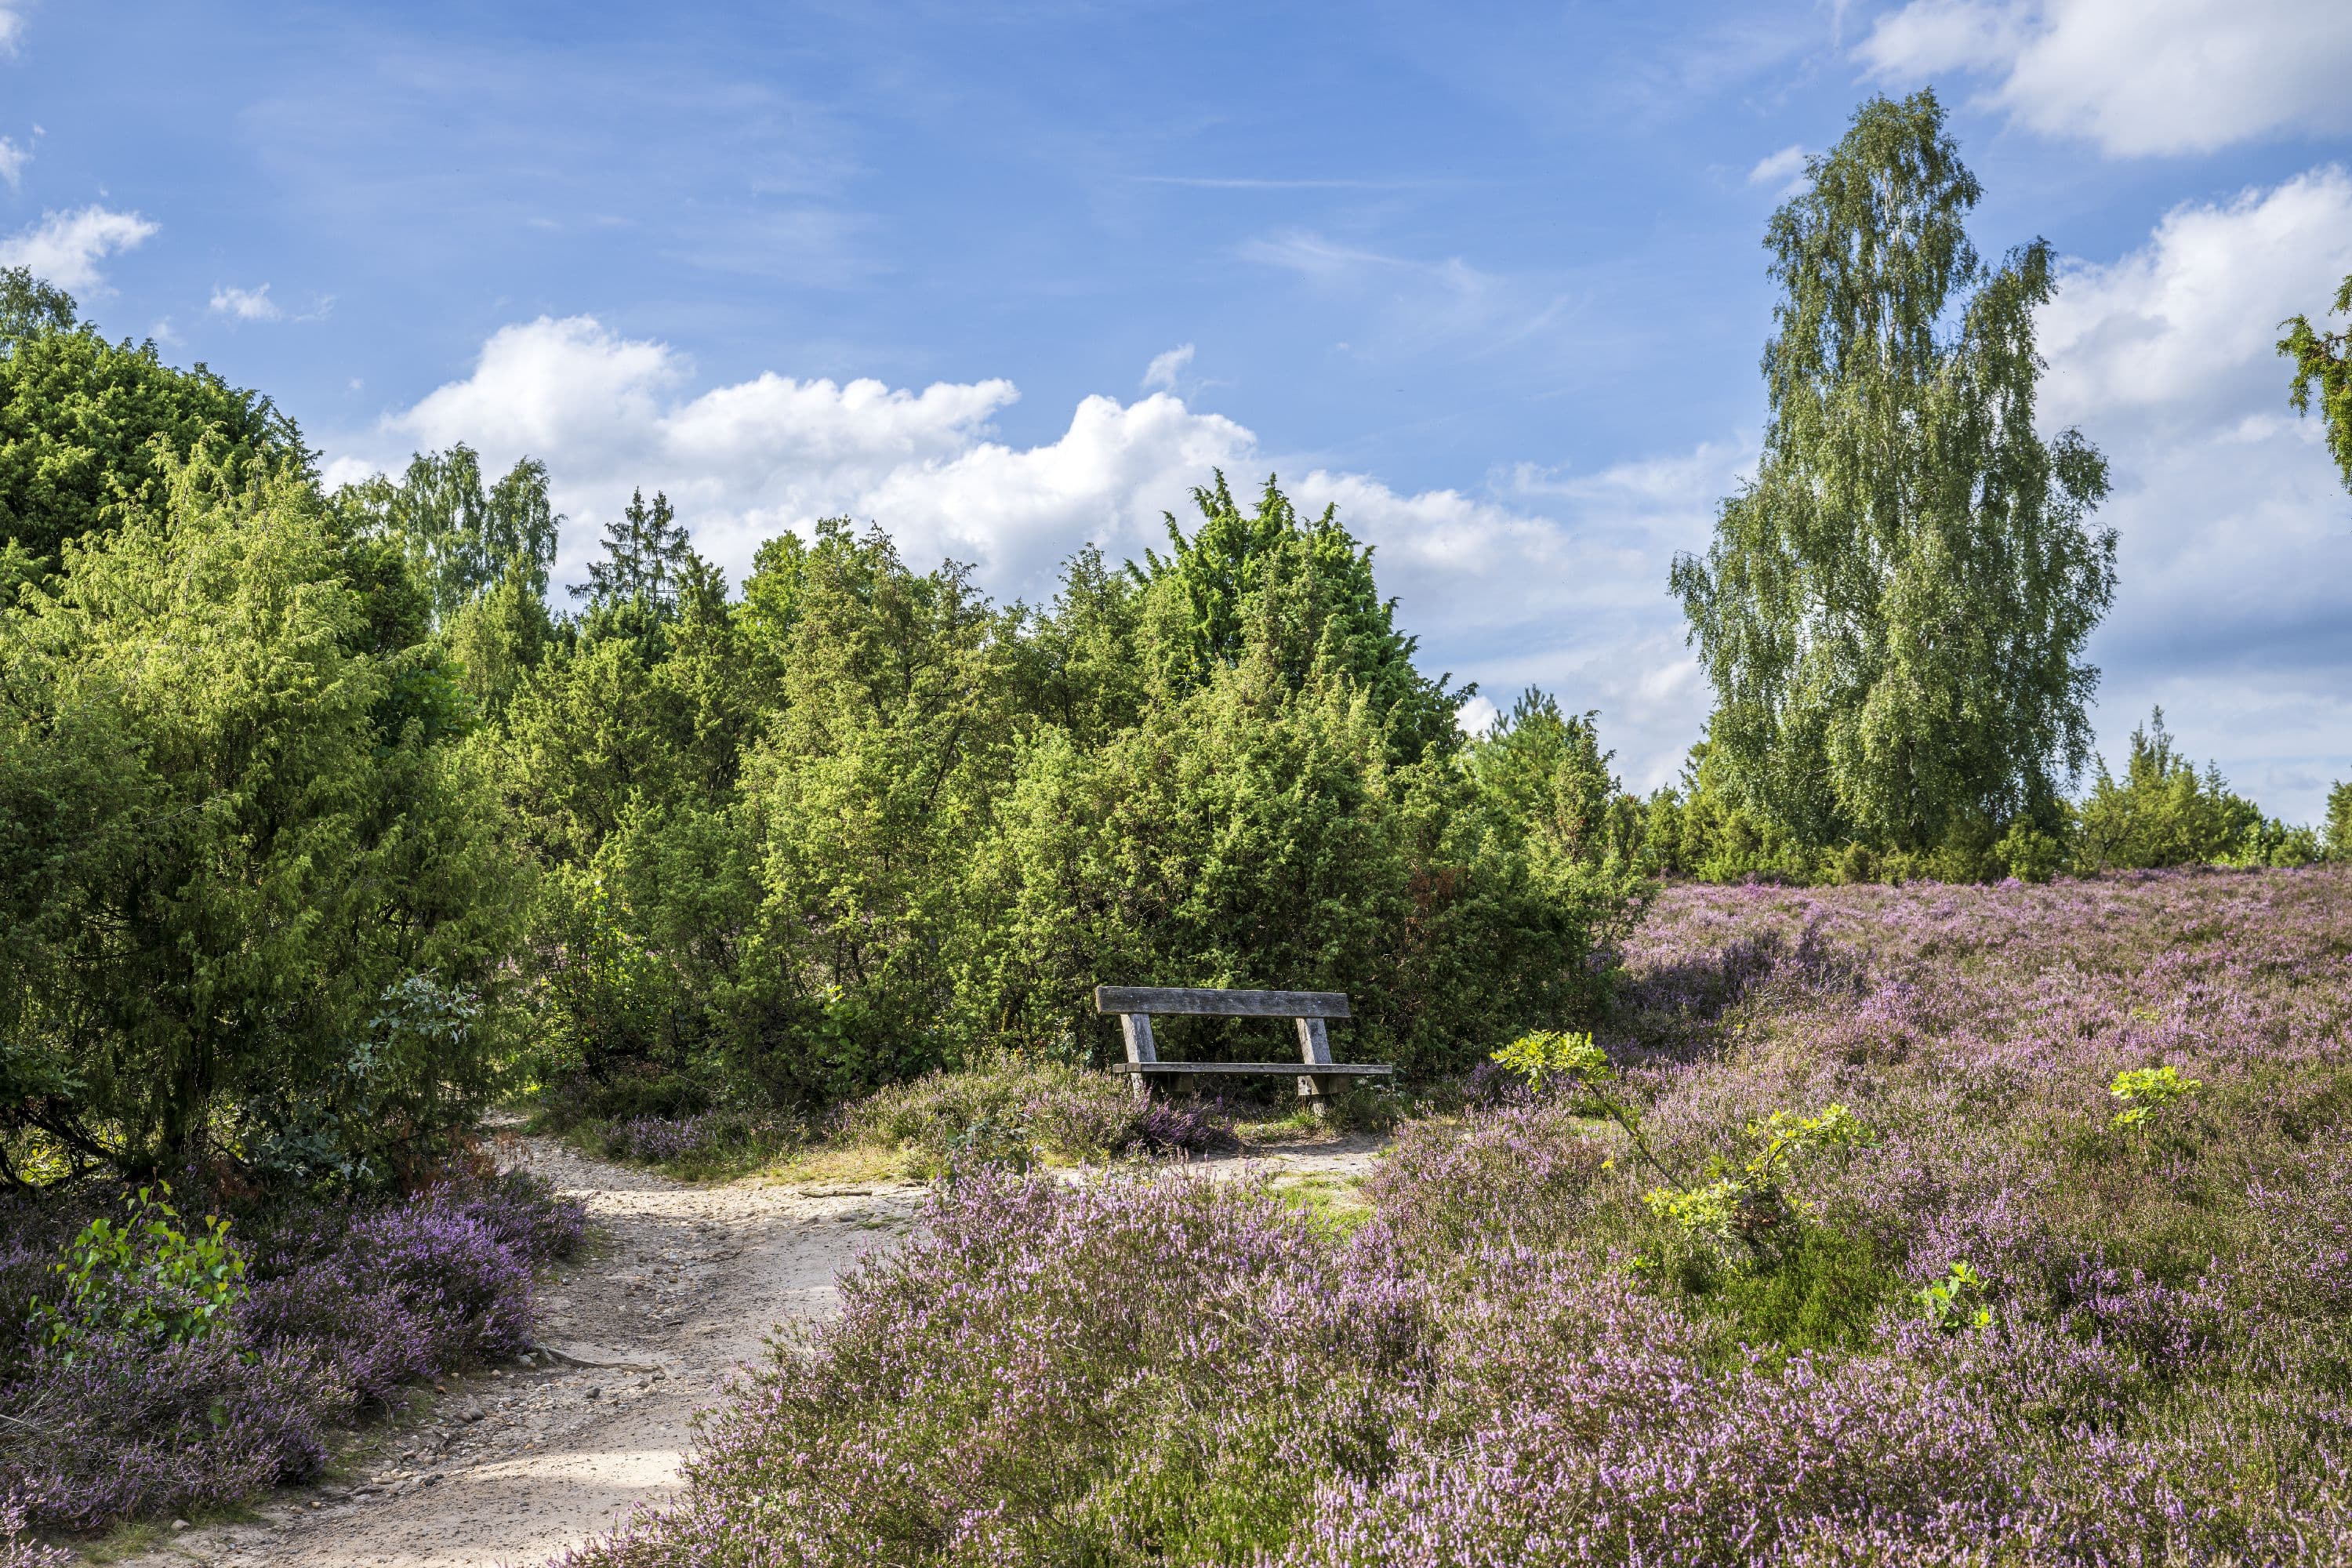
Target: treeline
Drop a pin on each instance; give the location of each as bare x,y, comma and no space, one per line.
2160,811
859,822
316,822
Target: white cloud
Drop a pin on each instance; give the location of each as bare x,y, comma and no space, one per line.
64,247
1557,582
1784,169
2236,538
2135,76
1161,374
245,305
12,27
13,160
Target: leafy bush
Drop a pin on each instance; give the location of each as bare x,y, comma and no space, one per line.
144,1279
235,837
2163,812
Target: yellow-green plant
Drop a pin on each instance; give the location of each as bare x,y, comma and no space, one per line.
1548,1054
1745,1204
1555,1053
145,1278
2147,1091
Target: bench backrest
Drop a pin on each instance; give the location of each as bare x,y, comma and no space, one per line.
1166,1000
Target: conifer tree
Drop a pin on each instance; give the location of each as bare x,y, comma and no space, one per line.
646,554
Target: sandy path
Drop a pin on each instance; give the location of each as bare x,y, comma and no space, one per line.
685,1283
516,1464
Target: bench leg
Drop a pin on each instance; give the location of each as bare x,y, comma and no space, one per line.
1135,1028
1315,1050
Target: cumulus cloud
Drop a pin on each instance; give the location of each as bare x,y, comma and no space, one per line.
13,160
1161,374
12,27
2236,539
2135,76
1784,170
245,305
1551,581
64,247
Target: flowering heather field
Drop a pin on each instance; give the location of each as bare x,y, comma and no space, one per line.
1518,1361
343,1307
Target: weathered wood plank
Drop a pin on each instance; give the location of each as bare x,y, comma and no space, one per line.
1284,1069
1180,999
1136,1028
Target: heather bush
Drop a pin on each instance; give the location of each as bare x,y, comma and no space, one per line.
153,1404
1998,1329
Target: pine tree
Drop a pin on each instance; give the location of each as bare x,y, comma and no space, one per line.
646,554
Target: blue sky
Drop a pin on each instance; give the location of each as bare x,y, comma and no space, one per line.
1007,277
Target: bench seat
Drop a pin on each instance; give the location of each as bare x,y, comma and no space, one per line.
1287,1069
1134,1006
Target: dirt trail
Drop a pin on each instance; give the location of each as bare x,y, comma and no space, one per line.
513,1466
685,1283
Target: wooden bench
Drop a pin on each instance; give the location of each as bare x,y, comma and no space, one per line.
1135,1005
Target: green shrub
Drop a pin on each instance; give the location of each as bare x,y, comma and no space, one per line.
2162,812
234,824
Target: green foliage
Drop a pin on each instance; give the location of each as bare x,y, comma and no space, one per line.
2339,822
1299,594
863,824
1550,1052
1821,1290
89,430
232,824
2148,1092
1892,614
2163,812
1956,1302
2324,361
144,1278
29,306
461,540
1744,1211
647,559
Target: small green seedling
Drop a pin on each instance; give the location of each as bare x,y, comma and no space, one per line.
1956,1302
145,1278
2145,1091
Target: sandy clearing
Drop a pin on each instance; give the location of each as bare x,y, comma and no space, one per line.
685,1283
512,1466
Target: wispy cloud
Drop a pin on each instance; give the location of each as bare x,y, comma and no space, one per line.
1161,374
1418,302
64,247
245,305
11,24
1785,169
12,159
1252,183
